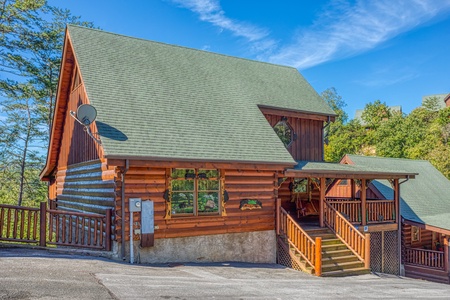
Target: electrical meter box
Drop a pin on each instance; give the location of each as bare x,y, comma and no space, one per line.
135,204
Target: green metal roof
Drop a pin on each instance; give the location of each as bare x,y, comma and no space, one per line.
425,199
168,102
337,169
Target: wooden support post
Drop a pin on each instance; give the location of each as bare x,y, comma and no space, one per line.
322,202
353,189
363,203
397,201
367,251
43,224
318,255
446,262
108,230
278,215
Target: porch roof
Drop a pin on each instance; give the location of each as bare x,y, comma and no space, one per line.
337,170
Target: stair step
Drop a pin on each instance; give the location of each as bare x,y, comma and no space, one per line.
339,259
337,253
347,272
336,266
333,247
331,241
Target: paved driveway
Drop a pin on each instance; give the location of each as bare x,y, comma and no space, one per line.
39,274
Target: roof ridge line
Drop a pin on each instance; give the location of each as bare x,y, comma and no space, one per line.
183,47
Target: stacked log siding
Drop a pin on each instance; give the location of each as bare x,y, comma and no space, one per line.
150,183
86,187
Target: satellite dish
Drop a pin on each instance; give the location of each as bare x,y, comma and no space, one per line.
86,114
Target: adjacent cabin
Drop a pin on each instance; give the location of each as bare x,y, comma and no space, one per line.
424,209
207,157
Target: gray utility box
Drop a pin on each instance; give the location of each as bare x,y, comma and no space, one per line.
135,204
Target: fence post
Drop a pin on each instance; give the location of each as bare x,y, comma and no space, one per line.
367,251
446,254
108,230
318,262
43,224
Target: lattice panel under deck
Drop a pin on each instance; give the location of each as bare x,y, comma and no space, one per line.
376,252
284,257
384,256
391,255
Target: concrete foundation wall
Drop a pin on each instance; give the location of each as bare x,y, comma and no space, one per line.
254,247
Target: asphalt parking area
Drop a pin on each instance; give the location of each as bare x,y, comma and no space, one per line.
39,274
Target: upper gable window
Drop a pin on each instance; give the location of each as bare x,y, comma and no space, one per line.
284,132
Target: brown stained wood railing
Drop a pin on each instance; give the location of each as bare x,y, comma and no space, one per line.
379,211
357,242
54,227
350,208
309,249
19,224
79,229
425,258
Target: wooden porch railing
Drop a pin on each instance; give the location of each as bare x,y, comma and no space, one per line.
42,226
79,229
19,224
357,242
377,211
309,249
426,258
350,208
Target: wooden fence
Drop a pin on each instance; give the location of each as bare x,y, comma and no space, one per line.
426,258
357,242
44,227
310,250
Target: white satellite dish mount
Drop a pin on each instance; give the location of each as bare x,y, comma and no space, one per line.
86,115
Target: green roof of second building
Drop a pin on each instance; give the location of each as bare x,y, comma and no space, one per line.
425,199
162,101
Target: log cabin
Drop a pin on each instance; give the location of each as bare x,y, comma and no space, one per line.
424,209
200,156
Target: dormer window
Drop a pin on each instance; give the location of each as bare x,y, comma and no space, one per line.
284,132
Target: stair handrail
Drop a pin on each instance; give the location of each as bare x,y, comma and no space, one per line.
308,248
357,242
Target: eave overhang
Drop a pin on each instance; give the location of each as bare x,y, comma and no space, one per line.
306,169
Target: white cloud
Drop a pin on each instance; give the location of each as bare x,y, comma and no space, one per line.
344,30
211,11
341,30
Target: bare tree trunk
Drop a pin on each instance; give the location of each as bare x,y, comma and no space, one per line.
24,157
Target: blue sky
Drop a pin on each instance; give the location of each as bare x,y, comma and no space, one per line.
390,50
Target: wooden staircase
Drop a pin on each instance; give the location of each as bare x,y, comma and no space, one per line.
337,259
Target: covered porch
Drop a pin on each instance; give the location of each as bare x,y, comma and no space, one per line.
313,221
311,184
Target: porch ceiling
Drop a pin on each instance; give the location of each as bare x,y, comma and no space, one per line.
337,170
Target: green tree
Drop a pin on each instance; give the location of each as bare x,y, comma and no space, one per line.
375,113
31,42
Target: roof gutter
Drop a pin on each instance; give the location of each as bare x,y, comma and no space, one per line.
127,167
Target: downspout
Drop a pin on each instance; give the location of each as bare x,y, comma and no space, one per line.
323,141
127,166
400,224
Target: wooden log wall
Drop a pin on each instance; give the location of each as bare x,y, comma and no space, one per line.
85,187
425,242
150,183
76,145
338,190
309,142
